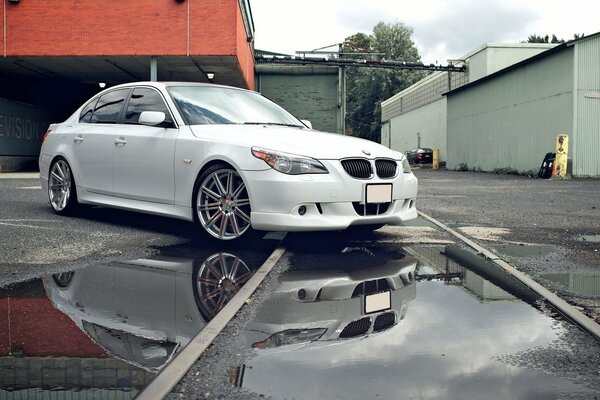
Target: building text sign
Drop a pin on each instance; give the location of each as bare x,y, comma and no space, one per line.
21,128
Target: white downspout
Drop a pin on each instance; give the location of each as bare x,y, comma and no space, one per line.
4,26
188,29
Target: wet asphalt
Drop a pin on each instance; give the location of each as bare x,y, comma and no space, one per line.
515,216
549,229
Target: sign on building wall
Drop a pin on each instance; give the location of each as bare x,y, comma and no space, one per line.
21,128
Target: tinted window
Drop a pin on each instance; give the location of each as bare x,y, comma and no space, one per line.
145,99
199,105
86,113
109,106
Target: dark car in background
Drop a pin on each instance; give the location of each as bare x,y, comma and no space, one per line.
420,156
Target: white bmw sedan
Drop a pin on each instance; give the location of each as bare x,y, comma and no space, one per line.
225,158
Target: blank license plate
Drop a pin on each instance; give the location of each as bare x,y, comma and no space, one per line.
378,302
379,193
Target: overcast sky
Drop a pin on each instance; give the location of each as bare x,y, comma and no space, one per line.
442,29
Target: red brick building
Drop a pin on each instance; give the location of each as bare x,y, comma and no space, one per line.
54,54
92,39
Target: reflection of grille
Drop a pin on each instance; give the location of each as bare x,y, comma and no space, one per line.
386,168
371,287
370,209
358,168
384,321
356,328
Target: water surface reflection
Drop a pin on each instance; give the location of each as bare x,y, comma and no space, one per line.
108,328
460,336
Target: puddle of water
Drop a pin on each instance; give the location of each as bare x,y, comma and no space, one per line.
106,330
589,238
587,284
437,331
521,250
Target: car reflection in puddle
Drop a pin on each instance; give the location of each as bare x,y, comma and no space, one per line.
133,316
329,304
454,334
142,311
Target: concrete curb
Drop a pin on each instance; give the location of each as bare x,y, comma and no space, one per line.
162,385
20,175
562,306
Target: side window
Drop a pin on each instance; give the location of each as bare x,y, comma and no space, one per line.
109,107
145,99
86,113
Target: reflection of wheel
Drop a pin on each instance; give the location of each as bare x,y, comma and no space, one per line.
222,203
63,279
217,280
61,187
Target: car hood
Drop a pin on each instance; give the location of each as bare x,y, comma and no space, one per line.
310,143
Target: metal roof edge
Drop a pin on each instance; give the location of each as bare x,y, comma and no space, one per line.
527,61
414,86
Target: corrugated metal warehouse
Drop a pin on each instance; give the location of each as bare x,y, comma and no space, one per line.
508,119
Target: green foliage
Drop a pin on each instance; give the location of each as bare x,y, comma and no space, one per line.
547,39
366,88
462,167
543,39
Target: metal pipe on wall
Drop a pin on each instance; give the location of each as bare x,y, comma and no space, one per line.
4,28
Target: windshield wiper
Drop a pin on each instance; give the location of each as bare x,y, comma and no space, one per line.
274,123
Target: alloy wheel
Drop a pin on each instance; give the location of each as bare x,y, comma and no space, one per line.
217,280
223,205
60,184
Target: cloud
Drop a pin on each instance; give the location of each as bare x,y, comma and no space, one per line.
442,29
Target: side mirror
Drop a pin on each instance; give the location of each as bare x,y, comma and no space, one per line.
307,123
152,118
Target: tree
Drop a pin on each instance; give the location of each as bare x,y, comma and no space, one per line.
366,88
543,39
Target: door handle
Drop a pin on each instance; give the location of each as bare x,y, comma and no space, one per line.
78,139
120,141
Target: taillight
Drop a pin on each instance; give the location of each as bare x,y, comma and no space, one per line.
45,135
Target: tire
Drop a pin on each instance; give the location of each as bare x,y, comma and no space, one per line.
221,203
62,192
365,229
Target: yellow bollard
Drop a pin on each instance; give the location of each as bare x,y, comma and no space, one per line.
436,159
562,153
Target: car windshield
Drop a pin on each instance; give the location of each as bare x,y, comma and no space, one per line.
202,105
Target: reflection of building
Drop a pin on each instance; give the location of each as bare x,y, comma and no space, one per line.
580,283
443,268
142,311
42,347
110,327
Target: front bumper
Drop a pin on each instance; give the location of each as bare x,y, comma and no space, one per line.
333,201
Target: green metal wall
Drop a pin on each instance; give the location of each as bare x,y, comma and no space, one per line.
585,144
307,92
510,122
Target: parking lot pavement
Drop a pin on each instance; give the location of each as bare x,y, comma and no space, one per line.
549,229
34,240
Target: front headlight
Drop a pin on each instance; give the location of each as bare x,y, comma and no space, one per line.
406,166
290,336
291,164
